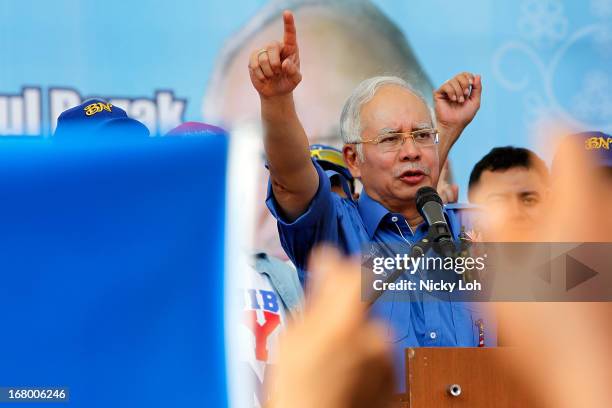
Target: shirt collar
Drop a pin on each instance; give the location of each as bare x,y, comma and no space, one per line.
372,213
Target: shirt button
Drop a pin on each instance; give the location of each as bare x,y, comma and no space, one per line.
433,335
394,218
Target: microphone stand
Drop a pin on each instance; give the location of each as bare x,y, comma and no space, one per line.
418,249
444,248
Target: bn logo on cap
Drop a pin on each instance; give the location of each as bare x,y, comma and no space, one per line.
97,107
597,143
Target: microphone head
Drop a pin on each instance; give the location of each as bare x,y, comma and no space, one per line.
425,195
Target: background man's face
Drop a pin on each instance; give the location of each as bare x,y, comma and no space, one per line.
391,177
513,199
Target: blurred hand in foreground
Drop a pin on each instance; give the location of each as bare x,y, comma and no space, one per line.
335,357
566,345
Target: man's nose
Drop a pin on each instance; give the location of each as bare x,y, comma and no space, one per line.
409,151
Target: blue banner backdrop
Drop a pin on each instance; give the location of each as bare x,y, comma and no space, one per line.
543,61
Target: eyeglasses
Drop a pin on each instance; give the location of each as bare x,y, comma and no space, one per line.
390,142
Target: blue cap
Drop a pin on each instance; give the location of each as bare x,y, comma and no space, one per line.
98,117
330,159
598,147
196,129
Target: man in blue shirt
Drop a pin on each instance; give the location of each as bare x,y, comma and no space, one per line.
394,148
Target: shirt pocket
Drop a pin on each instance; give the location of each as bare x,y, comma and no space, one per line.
467,319
400,323
396,316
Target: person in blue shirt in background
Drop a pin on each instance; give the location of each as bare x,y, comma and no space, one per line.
332,162
377,121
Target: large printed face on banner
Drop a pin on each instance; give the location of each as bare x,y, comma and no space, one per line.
339,48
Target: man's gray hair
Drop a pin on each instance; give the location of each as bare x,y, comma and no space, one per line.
350,120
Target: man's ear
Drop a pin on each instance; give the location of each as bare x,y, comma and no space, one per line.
352,160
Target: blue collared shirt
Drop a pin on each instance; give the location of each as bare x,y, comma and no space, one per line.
429,321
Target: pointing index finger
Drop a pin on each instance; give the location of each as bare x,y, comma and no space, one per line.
290,34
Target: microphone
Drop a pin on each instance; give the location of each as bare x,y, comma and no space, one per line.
429,205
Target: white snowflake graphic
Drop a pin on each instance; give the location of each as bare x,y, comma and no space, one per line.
593,102
543,22
603,41
601,8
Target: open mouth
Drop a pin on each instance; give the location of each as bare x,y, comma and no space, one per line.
412,177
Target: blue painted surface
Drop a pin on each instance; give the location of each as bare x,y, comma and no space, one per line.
112,269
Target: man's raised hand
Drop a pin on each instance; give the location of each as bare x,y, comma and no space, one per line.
275,69
457,101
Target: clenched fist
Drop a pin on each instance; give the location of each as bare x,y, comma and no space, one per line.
275,69
457,101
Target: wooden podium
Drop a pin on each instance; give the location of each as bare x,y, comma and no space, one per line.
461,377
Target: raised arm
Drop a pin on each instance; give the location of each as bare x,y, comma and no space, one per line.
275,73
456,103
